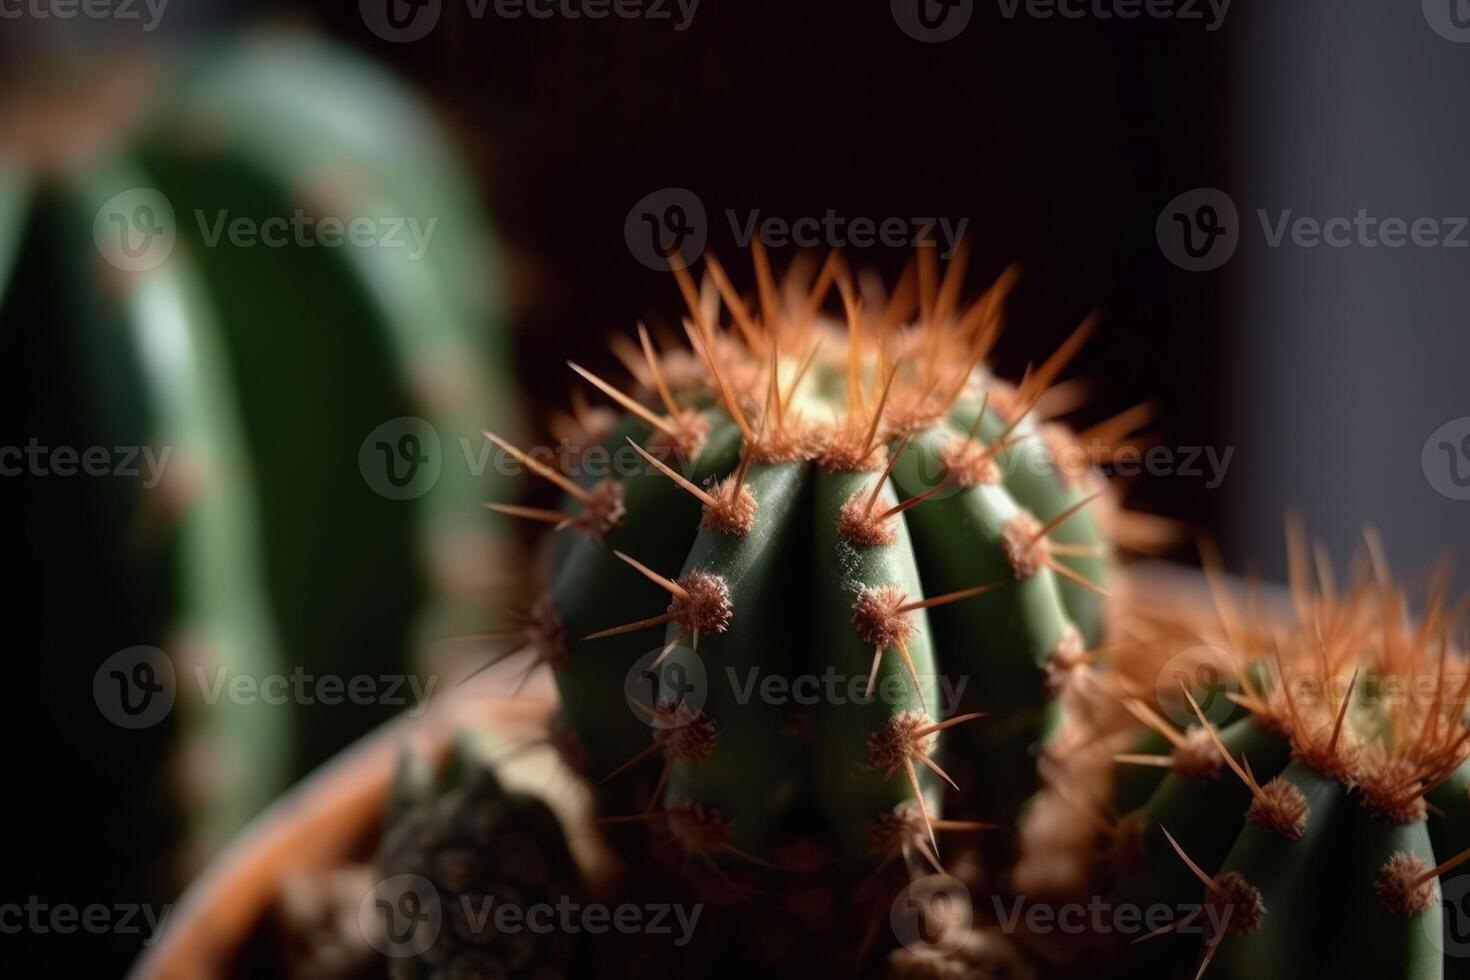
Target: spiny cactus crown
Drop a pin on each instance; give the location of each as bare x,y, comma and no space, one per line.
857,497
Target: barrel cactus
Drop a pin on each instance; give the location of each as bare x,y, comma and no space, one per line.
1297,795
820,547
189,471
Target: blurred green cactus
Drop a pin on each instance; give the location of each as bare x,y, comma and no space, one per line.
200,435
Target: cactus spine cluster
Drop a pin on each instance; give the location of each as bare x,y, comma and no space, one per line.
855,497
1302,789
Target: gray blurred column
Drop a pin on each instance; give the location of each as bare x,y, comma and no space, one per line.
1344,360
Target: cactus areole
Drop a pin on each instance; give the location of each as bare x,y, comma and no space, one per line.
830,576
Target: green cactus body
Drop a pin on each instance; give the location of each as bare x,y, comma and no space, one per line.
859,549
253,375
326,345
139,363
593,588
1321,844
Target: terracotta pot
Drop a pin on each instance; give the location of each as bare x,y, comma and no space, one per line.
333,816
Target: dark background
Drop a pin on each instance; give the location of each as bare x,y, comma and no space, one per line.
1061,139
1325,369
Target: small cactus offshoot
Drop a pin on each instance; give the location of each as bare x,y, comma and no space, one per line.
1304,787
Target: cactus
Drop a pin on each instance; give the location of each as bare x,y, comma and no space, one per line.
1304,788
857,499
253,376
